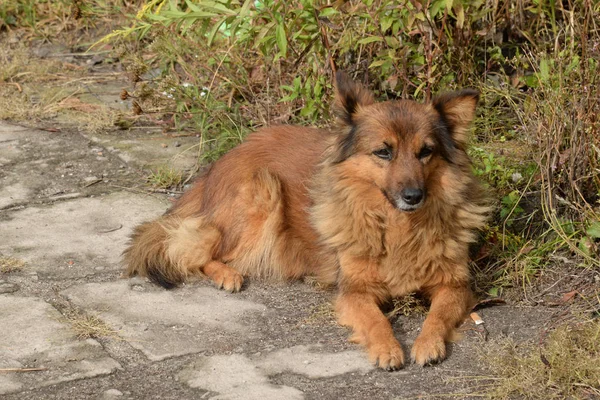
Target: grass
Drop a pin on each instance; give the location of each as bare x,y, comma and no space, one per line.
165,177
34,89
11,264
566,365
88,326
321,313
102,119
407,305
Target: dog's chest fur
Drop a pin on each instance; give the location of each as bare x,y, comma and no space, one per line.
420,251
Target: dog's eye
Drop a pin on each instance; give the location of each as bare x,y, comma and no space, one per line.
384,154
425,152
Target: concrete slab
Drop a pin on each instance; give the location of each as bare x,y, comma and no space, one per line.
313,362
164,324
240,377
235,377
10,131
77,237
34,336
8,150
38,166
13,194
151,148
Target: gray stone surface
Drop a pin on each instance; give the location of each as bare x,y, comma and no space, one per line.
314,362
235,377
165,324
35,335
151,148
240,377
78,236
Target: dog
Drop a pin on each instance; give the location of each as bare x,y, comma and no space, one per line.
382,205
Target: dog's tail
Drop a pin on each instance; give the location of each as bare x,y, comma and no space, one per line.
147,254
169,249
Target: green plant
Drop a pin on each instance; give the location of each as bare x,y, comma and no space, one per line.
165,177
290,53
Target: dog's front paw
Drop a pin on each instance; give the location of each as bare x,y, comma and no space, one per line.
388,356
428,349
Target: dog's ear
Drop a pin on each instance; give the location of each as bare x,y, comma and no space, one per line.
349,97
457,110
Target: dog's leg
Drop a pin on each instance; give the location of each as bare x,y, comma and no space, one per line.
358,307
371,329
191,247
449,306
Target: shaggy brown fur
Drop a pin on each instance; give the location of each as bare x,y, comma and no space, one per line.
382,206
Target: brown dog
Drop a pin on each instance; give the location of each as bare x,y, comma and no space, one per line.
382,206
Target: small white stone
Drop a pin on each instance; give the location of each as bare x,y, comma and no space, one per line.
112,393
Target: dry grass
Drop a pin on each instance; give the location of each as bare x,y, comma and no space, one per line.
319,314
89,326
18,65
408,305
10,264
567,365
28,85
33,88
101,120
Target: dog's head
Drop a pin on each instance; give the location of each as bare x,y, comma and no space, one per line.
400,146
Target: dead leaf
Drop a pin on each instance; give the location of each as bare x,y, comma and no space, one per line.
544,360
568,296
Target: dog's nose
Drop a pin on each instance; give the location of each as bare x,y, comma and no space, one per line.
412,196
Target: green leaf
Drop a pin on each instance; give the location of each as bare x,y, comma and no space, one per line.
532,81
194,14
245,8
370,39
328,11
281,40
420,16
386,22
544,70
378,63
317,90
192,6
460,17
263,32
585,246
574,64
593,230
217,7
436,7
214,30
